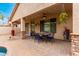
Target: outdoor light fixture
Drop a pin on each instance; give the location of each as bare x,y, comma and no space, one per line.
9,22
63,16
44,16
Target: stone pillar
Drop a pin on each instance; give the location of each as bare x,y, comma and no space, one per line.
75,34
75,44
23,36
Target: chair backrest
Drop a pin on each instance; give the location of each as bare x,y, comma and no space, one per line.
3,49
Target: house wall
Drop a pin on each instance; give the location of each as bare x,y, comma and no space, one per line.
75,18
32,8
59,27
75,34
5,30
17,29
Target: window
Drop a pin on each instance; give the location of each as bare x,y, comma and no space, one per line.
27,27
48,26
32,26
53,25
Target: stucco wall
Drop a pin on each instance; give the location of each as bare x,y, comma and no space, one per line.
5,30
75,34
75,18
18,29
30,7
59,27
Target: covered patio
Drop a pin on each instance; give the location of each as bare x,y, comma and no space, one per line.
29,47
33,23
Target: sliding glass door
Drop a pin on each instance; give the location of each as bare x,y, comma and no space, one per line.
48,26
27,28
32,27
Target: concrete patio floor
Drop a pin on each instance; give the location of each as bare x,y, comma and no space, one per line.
29,47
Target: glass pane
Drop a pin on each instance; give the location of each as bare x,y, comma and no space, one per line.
27,27
33,27
47,27
53,27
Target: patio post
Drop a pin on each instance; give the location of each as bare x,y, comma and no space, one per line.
29,29
23,29
11,25
75,34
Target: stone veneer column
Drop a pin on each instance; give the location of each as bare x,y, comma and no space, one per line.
75,34
75,44
23,36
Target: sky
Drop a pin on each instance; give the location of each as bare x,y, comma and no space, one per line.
6,9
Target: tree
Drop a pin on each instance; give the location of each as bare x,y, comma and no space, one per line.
1,16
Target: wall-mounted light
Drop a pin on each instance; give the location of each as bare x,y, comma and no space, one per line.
44,16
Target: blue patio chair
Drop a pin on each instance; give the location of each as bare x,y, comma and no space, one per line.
49,37
38,37
3,51
32,34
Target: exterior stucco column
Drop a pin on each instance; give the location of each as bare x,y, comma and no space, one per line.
75,34
29,29
11,25
23,36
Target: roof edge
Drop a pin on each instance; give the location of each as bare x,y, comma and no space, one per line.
14,11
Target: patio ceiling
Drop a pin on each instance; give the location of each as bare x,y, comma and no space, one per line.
54,9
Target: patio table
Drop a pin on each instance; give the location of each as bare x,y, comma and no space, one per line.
46,36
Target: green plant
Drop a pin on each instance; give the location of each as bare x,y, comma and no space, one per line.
63,17
1,16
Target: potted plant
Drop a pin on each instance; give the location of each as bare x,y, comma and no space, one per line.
63,17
